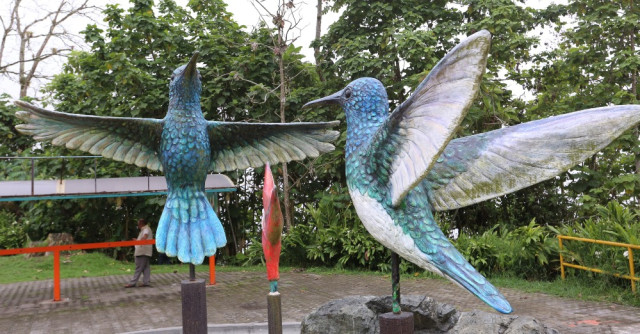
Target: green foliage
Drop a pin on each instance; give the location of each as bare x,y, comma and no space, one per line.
395,42
334,237
595,64
11,142
525,252
481,251
613,223
12,233
535,249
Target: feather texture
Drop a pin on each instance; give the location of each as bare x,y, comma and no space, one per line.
242,145
119,138
421,127
483,166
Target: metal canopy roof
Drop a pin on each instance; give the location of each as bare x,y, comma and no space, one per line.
103,187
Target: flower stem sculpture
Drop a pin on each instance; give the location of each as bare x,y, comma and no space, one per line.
185,147
271,235
271,229
402,166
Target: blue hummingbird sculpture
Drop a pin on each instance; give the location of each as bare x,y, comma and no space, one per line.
185,147
402,166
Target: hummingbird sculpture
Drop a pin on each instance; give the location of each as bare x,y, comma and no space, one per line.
185,147
402,166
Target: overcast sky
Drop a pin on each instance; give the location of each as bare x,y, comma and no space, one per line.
243,11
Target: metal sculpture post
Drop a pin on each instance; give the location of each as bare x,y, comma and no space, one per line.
194,304
271,235
396,321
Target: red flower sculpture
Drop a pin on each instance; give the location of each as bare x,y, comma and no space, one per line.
271,228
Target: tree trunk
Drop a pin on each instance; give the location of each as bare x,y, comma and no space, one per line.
28,39
632,42
634,91
283,100
21,77
227,202
316,49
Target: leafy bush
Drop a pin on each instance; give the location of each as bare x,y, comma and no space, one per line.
481,250
334,237
525,252
533,252
613,223
12,232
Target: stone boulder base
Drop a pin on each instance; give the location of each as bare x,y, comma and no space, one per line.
359,314
58,239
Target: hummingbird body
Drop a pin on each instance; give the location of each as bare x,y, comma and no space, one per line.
409,229
403,165
186,158
185,146
187,213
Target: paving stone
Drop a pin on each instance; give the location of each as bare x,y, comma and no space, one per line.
101,305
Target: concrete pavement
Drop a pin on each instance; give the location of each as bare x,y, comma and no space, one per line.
101,305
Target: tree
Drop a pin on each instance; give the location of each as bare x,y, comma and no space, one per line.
394,41
286,20
595,64
34,37
513,48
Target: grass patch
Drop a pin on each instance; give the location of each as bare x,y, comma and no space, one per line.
582,287
22,269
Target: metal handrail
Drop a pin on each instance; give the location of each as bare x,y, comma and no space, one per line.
110,244
56,157
631,277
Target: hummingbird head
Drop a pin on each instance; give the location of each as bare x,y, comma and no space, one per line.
366,106
362,99
185,85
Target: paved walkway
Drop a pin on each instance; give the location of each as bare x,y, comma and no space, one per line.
101,305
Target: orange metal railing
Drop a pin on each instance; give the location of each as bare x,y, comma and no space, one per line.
57,249
632,276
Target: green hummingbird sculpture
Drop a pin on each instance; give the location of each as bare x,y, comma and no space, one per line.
401,166
185,147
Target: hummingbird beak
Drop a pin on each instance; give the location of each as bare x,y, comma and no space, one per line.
335,98
190,71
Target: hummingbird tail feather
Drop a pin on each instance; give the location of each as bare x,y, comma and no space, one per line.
188,227
456,268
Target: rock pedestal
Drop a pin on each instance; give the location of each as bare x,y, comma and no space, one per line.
360,314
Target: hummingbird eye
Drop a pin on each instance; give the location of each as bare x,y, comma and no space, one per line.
173,76
347,93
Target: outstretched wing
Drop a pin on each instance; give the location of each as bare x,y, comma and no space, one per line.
418,130
483,166
132,140
243,145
